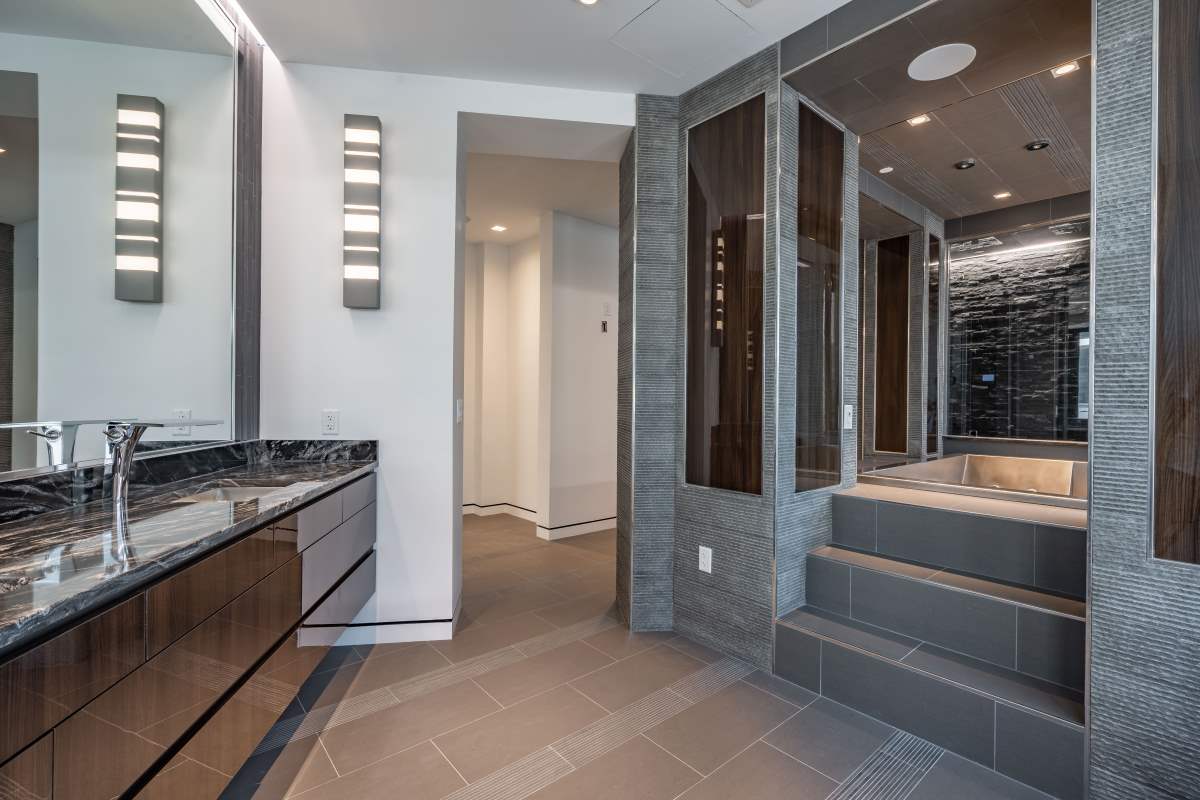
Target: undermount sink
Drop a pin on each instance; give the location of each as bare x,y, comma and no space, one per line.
230,494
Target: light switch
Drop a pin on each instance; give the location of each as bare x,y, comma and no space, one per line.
848,417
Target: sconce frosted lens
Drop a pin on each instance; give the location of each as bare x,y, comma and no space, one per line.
361,208
139,198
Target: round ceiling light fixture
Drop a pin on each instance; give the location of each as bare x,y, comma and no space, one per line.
941,62
885,170
1037,144
587,2
966,163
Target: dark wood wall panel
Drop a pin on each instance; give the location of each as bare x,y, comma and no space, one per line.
891,346
726,157
933,339
1177,399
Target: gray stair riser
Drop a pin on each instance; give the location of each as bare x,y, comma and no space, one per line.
1042,556
1021,744
1032,641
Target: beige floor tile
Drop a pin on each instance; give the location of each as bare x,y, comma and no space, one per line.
762,773
602,543
293,769
618,642
187,779
516,682
488,744
579,609
696,650
385,649
544,561
630,679
714,730
637,770
420,773
796,695
327,688
830,738
477,639
371,738
577,582
495,606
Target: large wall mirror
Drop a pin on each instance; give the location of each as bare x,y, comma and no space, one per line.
116,220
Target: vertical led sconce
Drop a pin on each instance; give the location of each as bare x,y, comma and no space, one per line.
139,199
718,289
361,196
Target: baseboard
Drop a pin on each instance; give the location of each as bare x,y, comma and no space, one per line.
578,529
499,508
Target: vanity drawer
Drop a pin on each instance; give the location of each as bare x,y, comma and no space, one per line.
100,751
300,530
328,620
358,496
29,776
41,687
332,557
184,600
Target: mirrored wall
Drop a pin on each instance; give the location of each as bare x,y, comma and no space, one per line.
725,254
116,220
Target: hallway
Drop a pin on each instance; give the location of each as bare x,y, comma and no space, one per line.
543,694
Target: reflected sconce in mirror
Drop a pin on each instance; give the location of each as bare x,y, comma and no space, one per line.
139,228
361,197
718,289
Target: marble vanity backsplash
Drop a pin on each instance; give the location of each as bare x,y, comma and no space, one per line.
43,493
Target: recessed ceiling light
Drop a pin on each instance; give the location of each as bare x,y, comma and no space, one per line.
941,62
920,119
885,170
1065,69
966,163
500,228
587,2
1037,144
1002,195
2,151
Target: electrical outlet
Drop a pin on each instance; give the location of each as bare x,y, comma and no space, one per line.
183,415
330,421
848,417
705,559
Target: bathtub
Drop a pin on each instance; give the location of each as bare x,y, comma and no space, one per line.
1031,480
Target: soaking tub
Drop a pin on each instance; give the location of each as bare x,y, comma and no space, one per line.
1031,480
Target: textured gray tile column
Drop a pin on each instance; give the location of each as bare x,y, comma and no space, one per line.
918,380
647,372
1144,688
729,609
867,341
805,521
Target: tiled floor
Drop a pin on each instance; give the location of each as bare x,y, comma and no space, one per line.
542,694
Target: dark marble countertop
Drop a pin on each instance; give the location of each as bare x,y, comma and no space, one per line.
57,567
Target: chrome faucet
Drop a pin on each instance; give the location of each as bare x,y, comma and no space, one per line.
123,437
58,436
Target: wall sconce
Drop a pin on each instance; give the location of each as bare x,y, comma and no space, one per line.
139,199
361,196
718,289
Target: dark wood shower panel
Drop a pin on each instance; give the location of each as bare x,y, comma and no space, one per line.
1177,399
725,349
891,346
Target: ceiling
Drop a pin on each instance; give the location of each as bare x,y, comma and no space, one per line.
515,190
165,24
652,46
866,85
877,221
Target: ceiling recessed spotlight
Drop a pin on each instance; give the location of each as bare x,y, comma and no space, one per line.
2,151
587,2
885,170
1065,69
1037,144
1002,195
966,163
920,119
499,228
941,62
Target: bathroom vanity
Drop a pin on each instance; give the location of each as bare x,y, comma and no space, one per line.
140,658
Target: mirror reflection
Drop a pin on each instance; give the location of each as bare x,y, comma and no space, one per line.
116,221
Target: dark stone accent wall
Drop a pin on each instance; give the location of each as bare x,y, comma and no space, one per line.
730,609
1017,319
1144,614
7,341
649,265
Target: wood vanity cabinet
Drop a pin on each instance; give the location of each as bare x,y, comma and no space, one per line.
111,696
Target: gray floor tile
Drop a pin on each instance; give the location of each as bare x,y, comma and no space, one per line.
762,773
637,769
828,585
859,634
955,777
830,738
793,693
798,657
1037,751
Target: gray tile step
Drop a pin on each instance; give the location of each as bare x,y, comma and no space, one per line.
1020,543
1023,728
1031,632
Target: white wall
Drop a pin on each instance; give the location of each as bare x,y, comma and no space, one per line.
25,317
472,364
523,381
497,438
583,373
393,373
98,356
